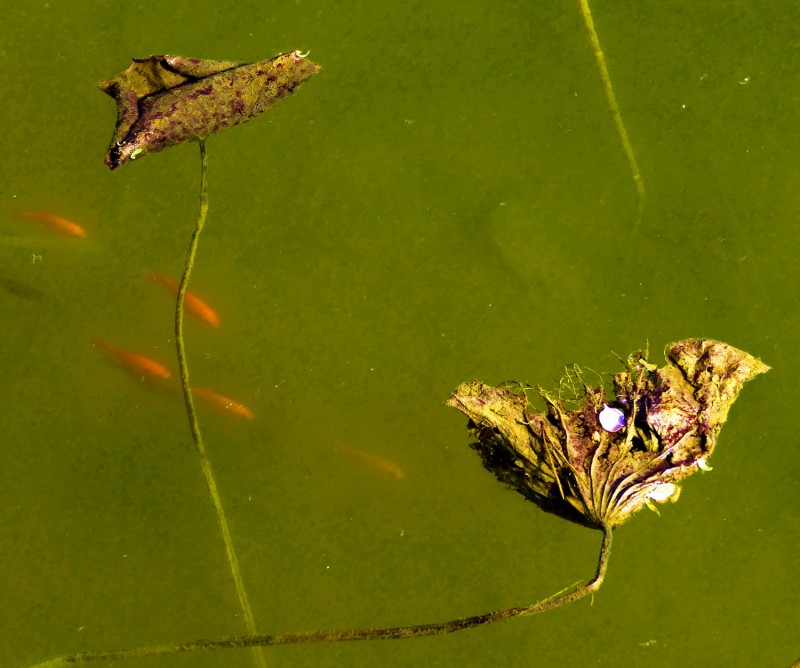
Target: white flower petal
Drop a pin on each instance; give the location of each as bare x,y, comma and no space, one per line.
611,419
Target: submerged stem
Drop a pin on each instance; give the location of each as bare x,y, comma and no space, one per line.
194,425
395,633
586,13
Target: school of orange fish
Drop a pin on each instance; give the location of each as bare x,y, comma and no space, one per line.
141,366
147,369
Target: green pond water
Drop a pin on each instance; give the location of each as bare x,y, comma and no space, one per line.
447,200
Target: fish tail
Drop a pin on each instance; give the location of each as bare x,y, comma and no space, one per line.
166,281
103,345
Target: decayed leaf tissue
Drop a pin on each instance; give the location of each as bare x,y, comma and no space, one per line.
597,458
167,100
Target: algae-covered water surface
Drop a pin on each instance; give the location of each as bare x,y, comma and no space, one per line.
449,199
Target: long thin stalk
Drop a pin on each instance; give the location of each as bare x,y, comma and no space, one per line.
194,425
395,633
586,12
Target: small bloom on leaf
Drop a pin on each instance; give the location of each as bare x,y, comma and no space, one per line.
611,419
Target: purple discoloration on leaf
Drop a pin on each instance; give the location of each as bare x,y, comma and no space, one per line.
567,461
167,100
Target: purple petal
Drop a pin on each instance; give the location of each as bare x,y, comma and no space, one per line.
611,419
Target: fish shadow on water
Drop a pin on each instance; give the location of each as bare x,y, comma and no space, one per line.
510,241
21,290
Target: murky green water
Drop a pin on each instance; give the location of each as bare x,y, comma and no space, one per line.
447,200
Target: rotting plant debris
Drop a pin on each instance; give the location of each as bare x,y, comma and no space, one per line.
167,100
598,459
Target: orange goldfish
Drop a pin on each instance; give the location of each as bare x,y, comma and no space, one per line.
372,462
193,304
224,404
54,222
139,365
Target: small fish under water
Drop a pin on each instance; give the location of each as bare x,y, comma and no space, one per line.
139,365
223,404
54,222
372,462
191,302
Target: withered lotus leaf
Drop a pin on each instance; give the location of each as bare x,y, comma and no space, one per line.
568,463
167,100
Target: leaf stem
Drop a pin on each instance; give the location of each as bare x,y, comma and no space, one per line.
395,633
194,425
586,13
